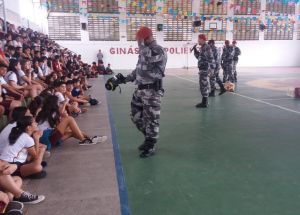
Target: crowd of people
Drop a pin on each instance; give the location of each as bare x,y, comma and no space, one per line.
43,87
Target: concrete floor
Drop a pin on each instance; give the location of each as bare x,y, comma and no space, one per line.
81,179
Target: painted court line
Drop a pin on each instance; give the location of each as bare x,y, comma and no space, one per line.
278,99
125,210
247,97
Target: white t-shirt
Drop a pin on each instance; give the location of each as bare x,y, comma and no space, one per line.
11,76
18,151
4,136
60,97
2,81
21,74
44,126
40,73
17,44
45,70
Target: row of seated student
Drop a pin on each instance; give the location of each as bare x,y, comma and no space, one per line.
100,69
43,87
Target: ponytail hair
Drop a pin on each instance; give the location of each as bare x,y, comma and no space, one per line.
17,131
35,105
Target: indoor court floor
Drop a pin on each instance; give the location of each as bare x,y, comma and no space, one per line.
238,157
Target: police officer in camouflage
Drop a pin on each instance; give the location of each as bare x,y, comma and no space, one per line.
214,71
205,59
227,62
237,53
146,99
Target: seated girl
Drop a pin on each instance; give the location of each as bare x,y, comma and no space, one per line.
16,79
17,113
58,128
11,185
24,148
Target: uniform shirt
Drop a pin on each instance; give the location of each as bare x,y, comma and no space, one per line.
205,56
60,97
45,70
44,126
11,76
17,44
37,75
9,57
4,136
2,81
237,52
150,66
228,54
17,152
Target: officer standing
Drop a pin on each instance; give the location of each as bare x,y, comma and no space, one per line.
205,59
227,62
146,99
215,68
237,52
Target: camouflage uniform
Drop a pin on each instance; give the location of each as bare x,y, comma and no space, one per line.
146,100
237,52
205,59
227,63
214,74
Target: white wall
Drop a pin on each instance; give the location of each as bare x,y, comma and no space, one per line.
254,53
26,13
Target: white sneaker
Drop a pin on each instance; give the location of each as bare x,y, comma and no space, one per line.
99,139
28,198
86,142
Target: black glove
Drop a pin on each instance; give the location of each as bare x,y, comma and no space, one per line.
194,47
113,82
121,78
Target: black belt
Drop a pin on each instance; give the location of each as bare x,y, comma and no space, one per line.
155,86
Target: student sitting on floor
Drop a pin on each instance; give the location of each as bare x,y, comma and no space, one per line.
79,93
108,70
11,97
57,128
35,106
12,185
68,94
64,102
24,149
17,113
16,79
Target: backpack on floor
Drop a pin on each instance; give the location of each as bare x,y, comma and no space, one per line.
93,101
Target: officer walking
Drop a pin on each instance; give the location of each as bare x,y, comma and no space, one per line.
205,59
237,52
146,99
215,68
227,62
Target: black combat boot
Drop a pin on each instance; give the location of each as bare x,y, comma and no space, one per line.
203,104
212,93
147,148
142,146
222,89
